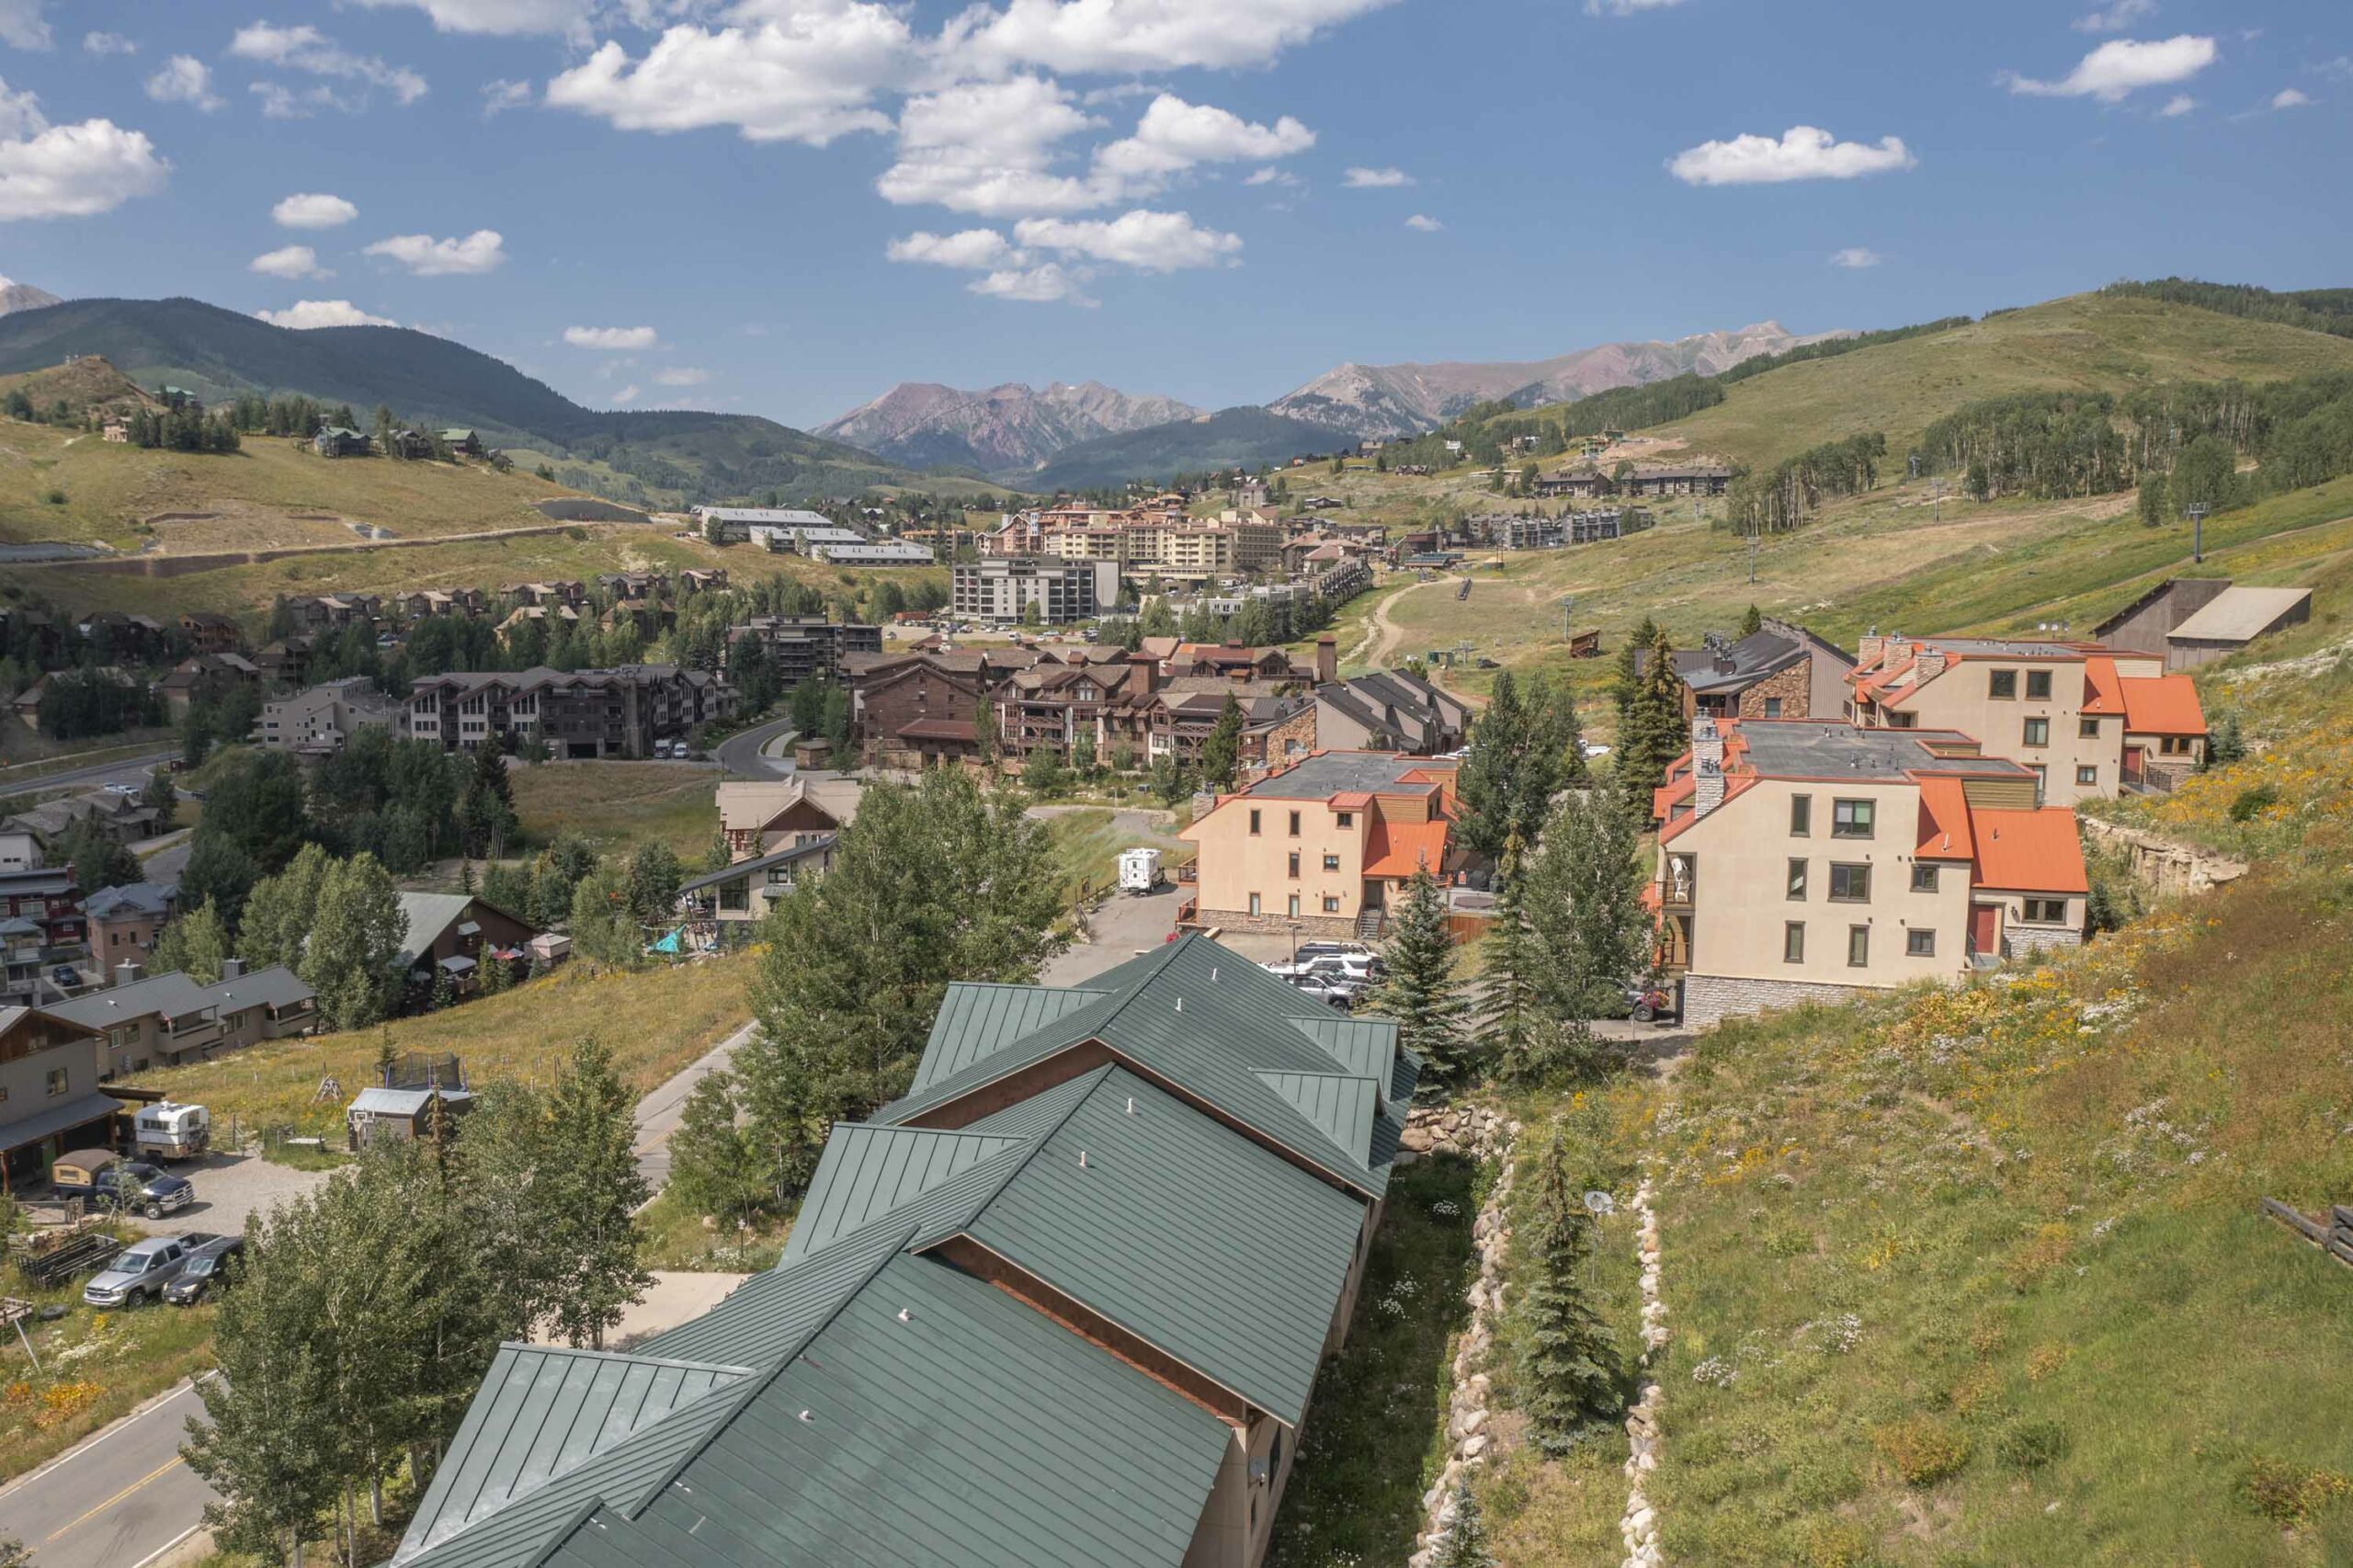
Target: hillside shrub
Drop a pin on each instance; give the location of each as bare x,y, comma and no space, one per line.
1922,1449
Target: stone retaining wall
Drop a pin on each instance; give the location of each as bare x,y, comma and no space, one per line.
1709,997
2164,864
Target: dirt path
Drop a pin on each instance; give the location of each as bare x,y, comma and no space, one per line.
1382,636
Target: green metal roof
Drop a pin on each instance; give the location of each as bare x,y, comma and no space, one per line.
1366,1047
543,1411
976,1020
1344,1108
866,1171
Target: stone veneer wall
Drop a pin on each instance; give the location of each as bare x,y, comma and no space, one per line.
1794,685
1707,997
2164,864
1317,925
2017,939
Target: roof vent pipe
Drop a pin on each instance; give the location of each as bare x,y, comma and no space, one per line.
1082,1159
1180,1004
904,1316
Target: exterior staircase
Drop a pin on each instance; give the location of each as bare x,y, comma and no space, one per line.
1369,926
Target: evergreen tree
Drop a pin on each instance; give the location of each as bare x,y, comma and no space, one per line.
1584,901
161,796
1569,1360
356,935
1514,961
593,1190
1653,733
194,944
1626,683
1487,785
1221,748
1422,991
1465,1545
1753,622
218,873
97,861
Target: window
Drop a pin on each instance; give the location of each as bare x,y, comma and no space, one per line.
56,1082
2175,746
1772,707
1253,903
2038,732
2041,780
1346,819
1800,816
1859,946
1293,910
1294,825
1331,904
2002,686
1331,863
2087,729
1851,819
1294,863
1254,822
2087,776
1920,944
2046,911
1924,878
2038,686
1794,942
1797,878
1850,885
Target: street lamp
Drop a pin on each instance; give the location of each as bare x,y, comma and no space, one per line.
2196,531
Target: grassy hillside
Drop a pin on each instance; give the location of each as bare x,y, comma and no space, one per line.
2088,342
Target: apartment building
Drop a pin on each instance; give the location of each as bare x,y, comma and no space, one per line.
1007,589
807,647
618,712
911,711
124,921
1781,670
168,1020
50,1068
322,721
1325,846
2086,719
1810,860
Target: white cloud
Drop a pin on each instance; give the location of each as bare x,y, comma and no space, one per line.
184,80
305,48
425,256
2121,66
1857,257
503,95
70,171
22,26
1036,285
627,395
2178,105
973,248
288,261
1121,36
304,314
990,148
1155,241
1804,152
1625,7
313,209
680,376
612,339
2116,18
1375,179
2290,98
810,76
1174,135
1271,177
108,43
509,17
1423,223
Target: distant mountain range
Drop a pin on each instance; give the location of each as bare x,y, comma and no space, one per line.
1075,437
1009,429
15,296
666,456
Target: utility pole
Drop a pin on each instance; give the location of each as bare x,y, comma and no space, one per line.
2196,531
1752,553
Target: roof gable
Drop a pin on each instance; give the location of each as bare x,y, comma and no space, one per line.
974,1021
868,1172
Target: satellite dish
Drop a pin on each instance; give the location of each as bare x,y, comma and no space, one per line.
1600,1203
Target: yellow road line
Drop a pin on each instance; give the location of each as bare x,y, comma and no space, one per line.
167,1465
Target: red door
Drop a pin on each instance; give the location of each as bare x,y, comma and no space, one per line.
1984,927
2132,765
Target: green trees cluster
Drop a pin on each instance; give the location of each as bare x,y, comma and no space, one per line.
1780,499
1523,749
1422,990
288,416
1569,930
1651,730
2041,445
181,428
365,1313
76,704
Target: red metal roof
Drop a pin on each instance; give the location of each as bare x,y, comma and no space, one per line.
2162,705
1399,849
2027,851
1944,822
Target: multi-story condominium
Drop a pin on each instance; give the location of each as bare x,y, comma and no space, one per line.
805,647
578,713
125,920
1061,1305
50,1068
1781,670
1326,845
1008,587
1805,860
2086,720
168,1019
322,721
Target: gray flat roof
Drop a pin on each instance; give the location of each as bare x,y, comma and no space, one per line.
1804,748
2240,615
1339,773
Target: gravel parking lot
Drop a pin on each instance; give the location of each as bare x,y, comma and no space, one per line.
228,1187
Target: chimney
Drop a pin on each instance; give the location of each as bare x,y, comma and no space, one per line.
1867,650
1927,662
1327,659
232,969
1707,767
129,972
1141,668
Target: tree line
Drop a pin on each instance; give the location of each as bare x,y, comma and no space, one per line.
1780,499
2313,309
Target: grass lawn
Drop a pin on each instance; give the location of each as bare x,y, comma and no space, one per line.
675,1239
1375,1438
95,1366
618,806
1088,841
656,1020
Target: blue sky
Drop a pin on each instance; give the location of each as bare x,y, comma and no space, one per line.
783,206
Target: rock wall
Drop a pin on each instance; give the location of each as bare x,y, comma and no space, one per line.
1709,998
2167,865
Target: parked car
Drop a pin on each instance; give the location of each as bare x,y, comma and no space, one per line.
212,1263
1330,949
109,1181
1644,1003
1359,968
1338,995
140,1271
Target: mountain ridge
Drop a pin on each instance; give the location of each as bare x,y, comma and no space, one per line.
1010,428
16,296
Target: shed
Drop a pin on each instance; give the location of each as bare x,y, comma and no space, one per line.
401,1115
2233,618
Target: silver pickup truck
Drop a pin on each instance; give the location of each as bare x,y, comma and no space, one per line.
140,1272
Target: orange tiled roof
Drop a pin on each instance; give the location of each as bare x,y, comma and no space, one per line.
1944,822
2162,705
1399,849
2027,851
2102,687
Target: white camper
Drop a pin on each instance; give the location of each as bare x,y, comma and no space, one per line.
167,1131
1139,871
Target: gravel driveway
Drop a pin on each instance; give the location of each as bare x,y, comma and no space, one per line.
228,1187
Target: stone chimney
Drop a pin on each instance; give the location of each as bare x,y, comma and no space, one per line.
1707,767
232,969
1925,662
1327,659
1867,650
129,972
1142,670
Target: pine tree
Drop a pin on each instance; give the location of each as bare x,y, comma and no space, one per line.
593,1190
1221,748
1653,735
1465,1545
1422,991
1513,960
1569,1363
1488,783
161,796
1753,622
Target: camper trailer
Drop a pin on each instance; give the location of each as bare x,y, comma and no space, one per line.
1139,871
168,1131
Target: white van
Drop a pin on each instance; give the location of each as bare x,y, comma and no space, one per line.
167,1131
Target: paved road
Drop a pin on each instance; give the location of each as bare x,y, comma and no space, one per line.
122,770
123,1497
739,755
